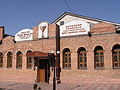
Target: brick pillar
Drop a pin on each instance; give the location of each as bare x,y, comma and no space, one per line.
74,63
24,61
1,32
14,61
108,59
90,60
35,33
5,61
52,30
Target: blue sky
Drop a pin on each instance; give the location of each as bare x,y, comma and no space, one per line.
16,15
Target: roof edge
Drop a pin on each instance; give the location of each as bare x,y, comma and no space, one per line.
84,17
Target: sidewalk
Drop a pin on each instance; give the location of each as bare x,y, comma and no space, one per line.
81,84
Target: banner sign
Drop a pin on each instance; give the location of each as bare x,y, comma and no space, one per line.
74,28
23,35
43,30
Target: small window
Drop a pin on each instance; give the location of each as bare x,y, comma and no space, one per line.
1,59
9,60
61,22
82,58
116,56
99,57
29,60
66,59
19,60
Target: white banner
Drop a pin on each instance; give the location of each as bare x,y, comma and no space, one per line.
43,30
23,35
74,28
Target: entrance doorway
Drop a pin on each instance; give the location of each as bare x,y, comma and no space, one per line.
43,70
42,63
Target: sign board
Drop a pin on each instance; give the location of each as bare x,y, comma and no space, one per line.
74,28
23,35
43,30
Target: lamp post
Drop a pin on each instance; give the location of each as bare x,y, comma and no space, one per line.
52,61
54,77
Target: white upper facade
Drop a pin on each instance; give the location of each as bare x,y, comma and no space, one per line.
72,24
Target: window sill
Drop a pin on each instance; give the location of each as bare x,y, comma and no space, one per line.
29,68
18,68
9,67
1,67
66,68
82,68
98,68
116,68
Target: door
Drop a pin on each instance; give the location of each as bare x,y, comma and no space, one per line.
43,71
42,75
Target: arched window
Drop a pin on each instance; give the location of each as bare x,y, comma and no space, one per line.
98,58
116,56
82,58
19,60
66,59
29,60
1,59
9,60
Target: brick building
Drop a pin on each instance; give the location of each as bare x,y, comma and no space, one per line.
88,48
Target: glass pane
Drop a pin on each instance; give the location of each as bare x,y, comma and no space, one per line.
69,65
80,65
102,65
101,53
65,65
97,59
85,60
65,55
115,58
116,64
80,54
115,53
97,65
80,59
119,58
85,65
119,64
96,53
101,59
65,60
69,60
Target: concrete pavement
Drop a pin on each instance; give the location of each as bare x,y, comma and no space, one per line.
81,84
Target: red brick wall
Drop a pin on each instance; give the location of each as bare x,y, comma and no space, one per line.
103,28
25,75
89,43
1,32
35,33
73,43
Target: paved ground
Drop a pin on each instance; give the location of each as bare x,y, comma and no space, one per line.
82,84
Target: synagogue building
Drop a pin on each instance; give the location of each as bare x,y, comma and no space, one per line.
84,47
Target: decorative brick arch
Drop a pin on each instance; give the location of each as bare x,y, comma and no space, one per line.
98,45
66,48
114,45
77,50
